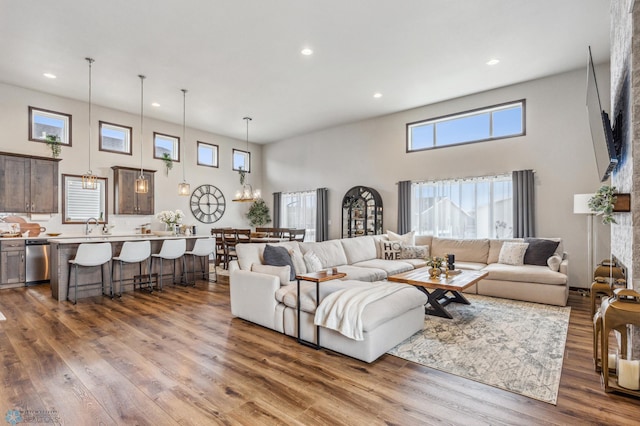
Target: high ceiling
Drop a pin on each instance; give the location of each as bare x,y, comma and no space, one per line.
242,57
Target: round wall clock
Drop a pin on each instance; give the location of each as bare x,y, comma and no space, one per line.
207,203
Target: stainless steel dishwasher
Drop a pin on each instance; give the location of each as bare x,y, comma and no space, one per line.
37,261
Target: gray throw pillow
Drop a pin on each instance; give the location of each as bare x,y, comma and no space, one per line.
539,251
279,256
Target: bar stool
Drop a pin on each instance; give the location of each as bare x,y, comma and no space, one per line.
89,254
203,248
170,250
133,252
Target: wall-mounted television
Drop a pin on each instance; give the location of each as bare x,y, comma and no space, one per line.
604,144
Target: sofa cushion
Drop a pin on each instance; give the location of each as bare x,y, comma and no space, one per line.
330,252
525,273
470,266
414,252
424,240
513,253
298,261
475,250
248,254
359,248
312,261
279,256
362,273
390,250
282,272
391,267
408,238
539,250
416,263
496,245
554,263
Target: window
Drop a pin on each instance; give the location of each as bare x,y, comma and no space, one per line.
82,204
166,145
43,122
241,160
298,210
495,122
115,138
207,154
465,208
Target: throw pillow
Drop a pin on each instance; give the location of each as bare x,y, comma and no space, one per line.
390,250
409,238
279,256
539,251
298,262
414,252
554,263
312,261
282,272
512,253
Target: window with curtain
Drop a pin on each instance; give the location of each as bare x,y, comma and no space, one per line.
479,207
298,210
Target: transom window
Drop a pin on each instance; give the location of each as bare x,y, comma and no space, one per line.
115,138
43,123
479,207
495,122
207,154
298,210
166,145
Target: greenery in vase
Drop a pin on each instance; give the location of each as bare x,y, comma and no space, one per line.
602,203
168,162
243,175
258,213
435,262
53,141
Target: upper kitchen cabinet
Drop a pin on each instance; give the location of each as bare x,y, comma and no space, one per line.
126,199
28,184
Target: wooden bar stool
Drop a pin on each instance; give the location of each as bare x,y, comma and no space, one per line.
88,255
171,250
133,252
203,248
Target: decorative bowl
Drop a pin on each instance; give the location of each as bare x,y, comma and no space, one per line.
162,233
53,234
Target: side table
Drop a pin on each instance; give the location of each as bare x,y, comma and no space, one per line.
314,277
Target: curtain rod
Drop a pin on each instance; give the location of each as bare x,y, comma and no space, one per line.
465,178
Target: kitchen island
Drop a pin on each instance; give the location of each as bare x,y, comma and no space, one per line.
64,249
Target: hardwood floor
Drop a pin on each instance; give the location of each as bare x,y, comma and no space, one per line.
178,357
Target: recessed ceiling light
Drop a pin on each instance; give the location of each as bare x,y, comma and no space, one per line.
155,104
306,51
49,75
377,95
493,61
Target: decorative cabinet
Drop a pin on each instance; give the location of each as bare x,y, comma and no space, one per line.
361,212
28,184
126,200
12,263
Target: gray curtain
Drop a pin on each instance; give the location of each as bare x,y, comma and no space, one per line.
404,206
523,204
322,215
276,209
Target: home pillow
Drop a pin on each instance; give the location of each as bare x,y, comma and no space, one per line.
414,252
409,238
312,261
279,256
298,262
539,251
554,263
512,253
390,250
282,272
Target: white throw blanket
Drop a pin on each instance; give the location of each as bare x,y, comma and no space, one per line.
342,310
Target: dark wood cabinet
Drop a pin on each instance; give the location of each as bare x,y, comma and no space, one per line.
361,212
126,200
28,184
12,263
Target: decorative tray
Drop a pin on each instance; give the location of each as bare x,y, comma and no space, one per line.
10,234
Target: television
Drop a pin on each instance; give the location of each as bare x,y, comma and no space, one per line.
604,144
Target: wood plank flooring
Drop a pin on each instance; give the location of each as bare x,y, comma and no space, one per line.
178,357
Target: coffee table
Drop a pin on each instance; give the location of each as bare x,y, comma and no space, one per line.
436,289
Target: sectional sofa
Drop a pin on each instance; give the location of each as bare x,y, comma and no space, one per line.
268,297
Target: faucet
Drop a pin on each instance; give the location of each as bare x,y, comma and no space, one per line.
86,224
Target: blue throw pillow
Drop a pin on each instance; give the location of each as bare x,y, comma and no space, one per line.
279,256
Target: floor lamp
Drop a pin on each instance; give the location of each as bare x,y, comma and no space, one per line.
581,206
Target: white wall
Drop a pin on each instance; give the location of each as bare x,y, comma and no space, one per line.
372,153
14,102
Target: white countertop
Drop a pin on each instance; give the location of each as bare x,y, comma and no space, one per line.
116,238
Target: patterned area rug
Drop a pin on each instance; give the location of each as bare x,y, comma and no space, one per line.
512,345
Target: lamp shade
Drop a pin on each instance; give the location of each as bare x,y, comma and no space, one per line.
581,203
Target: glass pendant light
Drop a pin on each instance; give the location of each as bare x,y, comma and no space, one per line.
184,189
246,193
142,184
89,180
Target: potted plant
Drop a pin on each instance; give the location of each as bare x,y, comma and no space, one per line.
53,141
258,213
243,175
168,162
603,202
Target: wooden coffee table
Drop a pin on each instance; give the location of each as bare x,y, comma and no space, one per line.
437,289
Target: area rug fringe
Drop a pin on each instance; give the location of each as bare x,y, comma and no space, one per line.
512,345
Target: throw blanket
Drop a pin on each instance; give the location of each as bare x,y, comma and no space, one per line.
342,310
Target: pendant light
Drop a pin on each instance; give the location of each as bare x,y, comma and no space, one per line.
246,193
89,180
142,184
184,188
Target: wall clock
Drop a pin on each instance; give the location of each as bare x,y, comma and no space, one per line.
207,203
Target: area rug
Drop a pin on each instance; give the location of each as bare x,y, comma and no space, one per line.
512,345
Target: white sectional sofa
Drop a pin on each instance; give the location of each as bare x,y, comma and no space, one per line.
270,301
